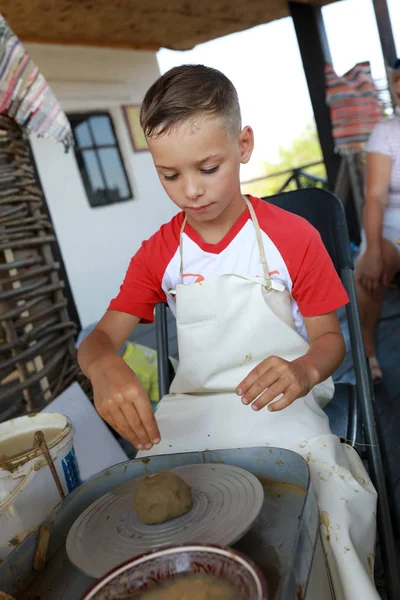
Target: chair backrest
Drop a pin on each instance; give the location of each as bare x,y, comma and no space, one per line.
325,212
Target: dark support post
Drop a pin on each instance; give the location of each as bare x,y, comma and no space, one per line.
160,318
385,30
314,50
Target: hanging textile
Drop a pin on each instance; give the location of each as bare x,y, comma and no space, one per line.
24,93
354,106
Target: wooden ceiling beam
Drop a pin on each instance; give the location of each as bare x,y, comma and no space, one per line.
138,24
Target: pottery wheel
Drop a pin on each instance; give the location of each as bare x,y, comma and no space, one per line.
226,501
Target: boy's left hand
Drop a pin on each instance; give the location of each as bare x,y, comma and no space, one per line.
275,376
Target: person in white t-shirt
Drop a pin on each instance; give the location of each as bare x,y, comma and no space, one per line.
380,247
255,296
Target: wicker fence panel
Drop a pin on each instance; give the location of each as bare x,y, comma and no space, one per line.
37,352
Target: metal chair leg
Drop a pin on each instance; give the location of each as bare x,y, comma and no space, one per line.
352,424
375,461
387,472
160,316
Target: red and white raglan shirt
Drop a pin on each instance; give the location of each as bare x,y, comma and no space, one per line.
295,253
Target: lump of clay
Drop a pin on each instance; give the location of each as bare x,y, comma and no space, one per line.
161,497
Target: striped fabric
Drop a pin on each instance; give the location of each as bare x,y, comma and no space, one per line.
354,106
24,93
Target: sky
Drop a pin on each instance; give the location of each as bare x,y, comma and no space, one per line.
265,66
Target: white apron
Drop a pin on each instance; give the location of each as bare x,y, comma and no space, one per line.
226,326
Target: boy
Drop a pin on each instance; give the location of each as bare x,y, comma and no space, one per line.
255,296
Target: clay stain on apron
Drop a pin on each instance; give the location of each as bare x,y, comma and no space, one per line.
371,562
326,523
362,481
15,541
310,458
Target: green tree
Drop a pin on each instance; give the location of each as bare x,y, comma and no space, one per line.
304,150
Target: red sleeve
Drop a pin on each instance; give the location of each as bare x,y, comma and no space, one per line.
317,288
142,286
140,291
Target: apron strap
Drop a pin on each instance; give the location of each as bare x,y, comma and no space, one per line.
257,230
260,243
181,248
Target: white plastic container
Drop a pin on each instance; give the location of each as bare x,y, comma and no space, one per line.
28,492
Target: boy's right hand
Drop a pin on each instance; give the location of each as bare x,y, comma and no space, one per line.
120,400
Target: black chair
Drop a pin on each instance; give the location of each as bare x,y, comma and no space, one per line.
325,212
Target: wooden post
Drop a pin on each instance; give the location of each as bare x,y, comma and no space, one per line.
385,31
314,50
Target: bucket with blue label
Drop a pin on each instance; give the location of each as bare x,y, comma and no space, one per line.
28,492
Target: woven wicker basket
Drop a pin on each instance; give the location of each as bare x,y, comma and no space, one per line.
37,352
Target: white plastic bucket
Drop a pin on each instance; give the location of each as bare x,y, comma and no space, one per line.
28,492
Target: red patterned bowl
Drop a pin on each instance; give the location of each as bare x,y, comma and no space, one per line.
145,571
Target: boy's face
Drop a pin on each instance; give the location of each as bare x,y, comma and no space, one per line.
198,163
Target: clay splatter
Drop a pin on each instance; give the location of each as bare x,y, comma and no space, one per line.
14,541
326,523
371,563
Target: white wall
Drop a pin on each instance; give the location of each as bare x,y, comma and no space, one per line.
97,243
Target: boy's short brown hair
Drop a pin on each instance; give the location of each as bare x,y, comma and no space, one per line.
185,91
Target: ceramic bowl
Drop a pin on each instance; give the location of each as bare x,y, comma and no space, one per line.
145,571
